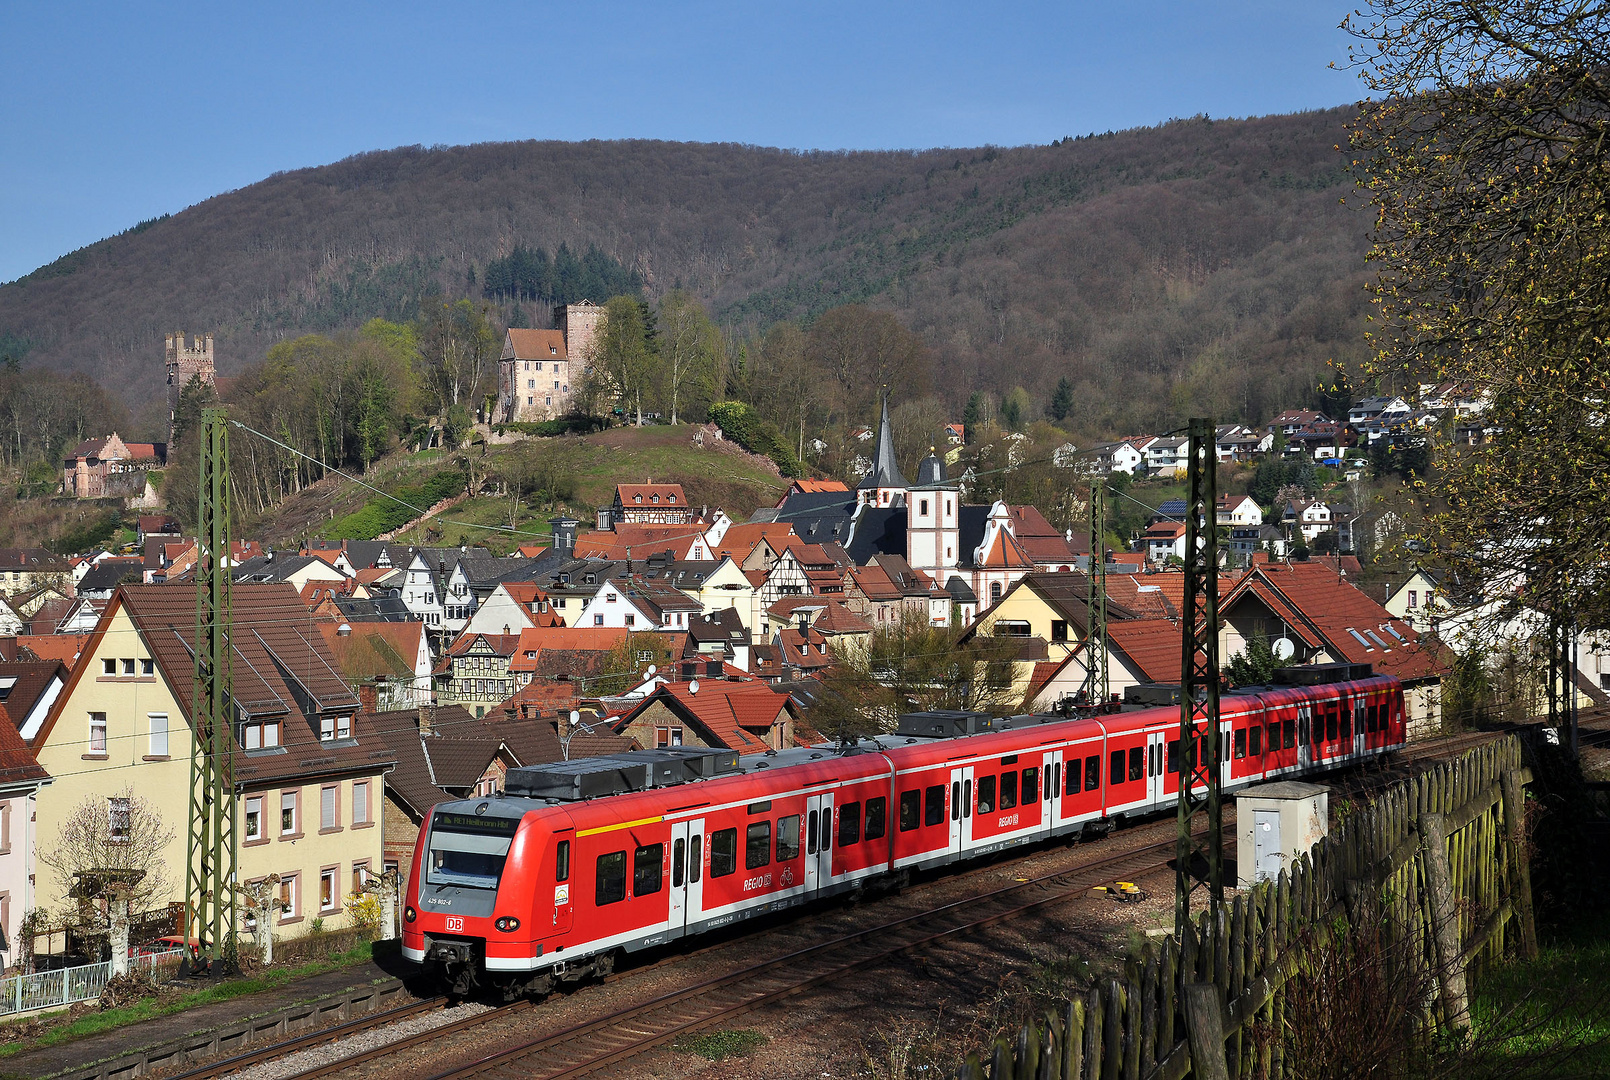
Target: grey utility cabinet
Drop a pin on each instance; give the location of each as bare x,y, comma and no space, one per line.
1275,825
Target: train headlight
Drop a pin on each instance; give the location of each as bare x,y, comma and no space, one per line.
508,924
409,914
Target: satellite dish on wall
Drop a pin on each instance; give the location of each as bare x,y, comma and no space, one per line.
1283,649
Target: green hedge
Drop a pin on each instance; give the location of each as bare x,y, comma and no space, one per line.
548,428
382,515
743,425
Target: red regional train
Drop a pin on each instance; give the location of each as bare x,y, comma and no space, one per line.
579,862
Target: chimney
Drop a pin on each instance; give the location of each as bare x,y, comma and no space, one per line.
427,719
606,515
368,698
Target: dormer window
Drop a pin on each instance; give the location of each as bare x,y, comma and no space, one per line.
637,498
335,727
260,734
553,350
654,498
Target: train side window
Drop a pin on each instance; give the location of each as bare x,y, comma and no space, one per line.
933,811
877,817
910,809
986,794
1370,714
1255,740
1330,722
1137,763
1092,772
561,862
955,800
757,845
849,824
1173,755
1151,761
1288,732
1274,735
810,833
1008,790
1241,742
1115,769
679,858
788,838
967,798
1031,785
611,887
1347,722
695,858
648,869
723,852
1053,783
1072,778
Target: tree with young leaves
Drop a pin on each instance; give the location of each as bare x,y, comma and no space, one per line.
1486,153
626,352
692,355
458,351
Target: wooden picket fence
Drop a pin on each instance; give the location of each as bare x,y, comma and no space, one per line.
1441,855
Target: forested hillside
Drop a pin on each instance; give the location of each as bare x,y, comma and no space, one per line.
1209,265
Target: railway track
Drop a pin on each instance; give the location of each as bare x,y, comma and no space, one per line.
633,1030
630,1031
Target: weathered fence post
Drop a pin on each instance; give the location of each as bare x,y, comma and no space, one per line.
1204,1027
1514,824
1444,921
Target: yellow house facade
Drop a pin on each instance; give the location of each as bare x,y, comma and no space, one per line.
309,767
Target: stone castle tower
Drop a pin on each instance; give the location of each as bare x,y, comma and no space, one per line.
185,363
579,323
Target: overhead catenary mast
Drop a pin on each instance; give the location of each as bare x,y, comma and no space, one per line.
211,848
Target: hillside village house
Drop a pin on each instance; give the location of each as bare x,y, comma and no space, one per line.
92,469
20,781
539,369
309,767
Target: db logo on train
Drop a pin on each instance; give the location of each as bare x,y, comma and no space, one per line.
455,925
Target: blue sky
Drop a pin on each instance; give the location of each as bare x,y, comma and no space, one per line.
111,113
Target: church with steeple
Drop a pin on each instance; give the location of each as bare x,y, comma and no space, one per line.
974,552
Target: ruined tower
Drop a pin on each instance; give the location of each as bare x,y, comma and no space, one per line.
184,363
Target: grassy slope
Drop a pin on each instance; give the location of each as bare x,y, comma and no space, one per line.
593,464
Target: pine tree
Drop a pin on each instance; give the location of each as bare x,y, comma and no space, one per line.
1061,406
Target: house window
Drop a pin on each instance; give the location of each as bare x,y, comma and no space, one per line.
109,667
598,620
360,875
290,897
148,666
994,591
159,734
97,733
288,813
5,827
1414,599
631,620
117,820
360,802
922,507
328,896
128,665
329,808
1059,630
261,735
254,818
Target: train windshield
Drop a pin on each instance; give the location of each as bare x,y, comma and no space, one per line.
469,851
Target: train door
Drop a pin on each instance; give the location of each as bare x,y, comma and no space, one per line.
1050,789
818,842
961,809
687,873
1305,736
1157,769
564,841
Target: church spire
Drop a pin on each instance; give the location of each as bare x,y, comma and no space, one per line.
885,472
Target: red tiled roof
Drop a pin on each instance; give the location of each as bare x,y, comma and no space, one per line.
17,763
537,344
1152,646
501,644
63,647
633,496
739,540
736,713
838,619
1007,553
539,639
638,540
